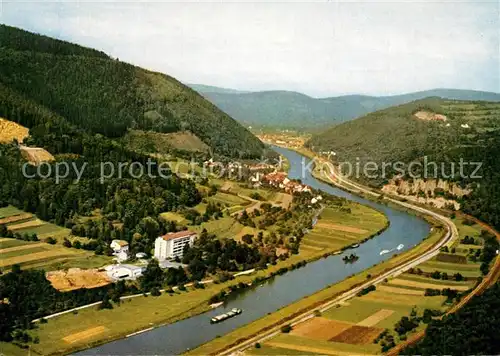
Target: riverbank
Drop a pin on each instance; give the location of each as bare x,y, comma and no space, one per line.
91,327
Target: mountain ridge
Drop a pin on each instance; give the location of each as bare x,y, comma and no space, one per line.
290,109
103,95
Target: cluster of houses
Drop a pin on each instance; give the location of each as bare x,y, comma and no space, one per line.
280,180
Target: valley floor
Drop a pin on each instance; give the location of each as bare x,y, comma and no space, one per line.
336,228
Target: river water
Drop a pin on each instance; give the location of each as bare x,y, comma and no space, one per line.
278,292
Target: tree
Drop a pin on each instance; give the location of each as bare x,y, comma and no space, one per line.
50,240
153,276
286,328
106,304
247,238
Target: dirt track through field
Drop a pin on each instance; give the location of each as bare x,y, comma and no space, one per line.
27,224
22,247
320,328
397,299
30,257
397,290
317,350
376,318
423,285
343,228
14,218
86,334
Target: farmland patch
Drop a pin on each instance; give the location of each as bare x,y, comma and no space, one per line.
357,334
376,318
320,328
86,334
451,258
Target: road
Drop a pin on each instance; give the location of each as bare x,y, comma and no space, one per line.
342,182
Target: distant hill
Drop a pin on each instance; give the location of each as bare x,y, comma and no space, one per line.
285,109
103,95
200,88
446,131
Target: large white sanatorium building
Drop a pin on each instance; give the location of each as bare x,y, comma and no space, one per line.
172,244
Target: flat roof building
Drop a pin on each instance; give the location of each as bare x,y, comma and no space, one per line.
172,244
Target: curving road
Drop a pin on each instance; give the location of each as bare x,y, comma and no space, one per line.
342,182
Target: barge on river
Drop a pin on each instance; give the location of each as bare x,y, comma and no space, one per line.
222,317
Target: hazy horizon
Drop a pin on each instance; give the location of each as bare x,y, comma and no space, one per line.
248,91
321,49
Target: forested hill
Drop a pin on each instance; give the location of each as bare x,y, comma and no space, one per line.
106,96
472,330
443,130
19,40
286,109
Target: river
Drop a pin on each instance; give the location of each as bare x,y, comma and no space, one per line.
280,291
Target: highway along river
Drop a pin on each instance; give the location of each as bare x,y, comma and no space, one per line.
283,290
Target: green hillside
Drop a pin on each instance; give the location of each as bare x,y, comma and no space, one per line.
284,109
106,96
471,132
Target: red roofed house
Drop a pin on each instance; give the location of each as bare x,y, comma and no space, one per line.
172,244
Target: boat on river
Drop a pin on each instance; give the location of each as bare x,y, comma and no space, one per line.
400,247
222,317
354,246
351,258
383,252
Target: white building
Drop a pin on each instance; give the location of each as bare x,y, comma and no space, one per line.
172,244
119,246
120,249
117,272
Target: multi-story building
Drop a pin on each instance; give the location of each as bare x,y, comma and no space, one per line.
172,244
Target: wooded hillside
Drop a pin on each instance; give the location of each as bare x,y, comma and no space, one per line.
446,131
106,96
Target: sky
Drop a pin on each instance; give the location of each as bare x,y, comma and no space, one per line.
322,48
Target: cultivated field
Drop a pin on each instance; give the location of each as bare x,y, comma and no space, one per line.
336,228
40,254
320,328
306,346
10,130
358,335
84,335
21,222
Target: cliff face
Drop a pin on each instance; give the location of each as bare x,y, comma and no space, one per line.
435,192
